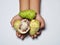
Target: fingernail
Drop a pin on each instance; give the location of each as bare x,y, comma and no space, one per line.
35,35
38,33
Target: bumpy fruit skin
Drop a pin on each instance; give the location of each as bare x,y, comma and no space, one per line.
34,27
17,24
28,14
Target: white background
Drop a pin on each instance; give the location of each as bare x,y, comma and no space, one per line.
50,11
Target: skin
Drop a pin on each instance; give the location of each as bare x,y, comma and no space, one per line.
24,4
35,5
29,4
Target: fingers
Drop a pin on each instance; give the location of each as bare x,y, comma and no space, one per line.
33,36
17,17
20,35
23,36
36,35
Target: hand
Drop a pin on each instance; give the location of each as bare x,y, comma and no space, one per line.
17,17
22,36
38,17
41,20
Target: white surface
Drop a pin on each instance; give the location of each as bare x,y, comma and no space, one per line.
50,12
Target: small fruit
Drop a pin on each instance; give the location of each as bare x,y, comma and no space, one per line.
34,27
22,26
28,14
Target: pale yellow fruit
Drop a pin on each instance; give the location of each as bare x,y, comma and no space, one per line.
34,27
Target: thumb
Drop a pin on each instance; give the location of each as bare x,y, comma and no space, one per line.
17,17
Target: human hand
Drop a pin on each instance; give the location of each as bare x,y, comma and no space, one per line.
38,17
42,25
21,36
17,17
41,20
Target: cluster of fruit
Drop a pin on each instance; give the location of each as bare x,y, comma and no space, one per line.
28,24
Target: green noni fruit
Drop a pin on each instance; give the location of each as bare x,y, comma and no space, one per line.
29,14
34,27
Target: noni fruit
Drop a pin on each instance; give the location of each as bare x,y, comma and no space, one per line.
34,26
28,14
21,26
